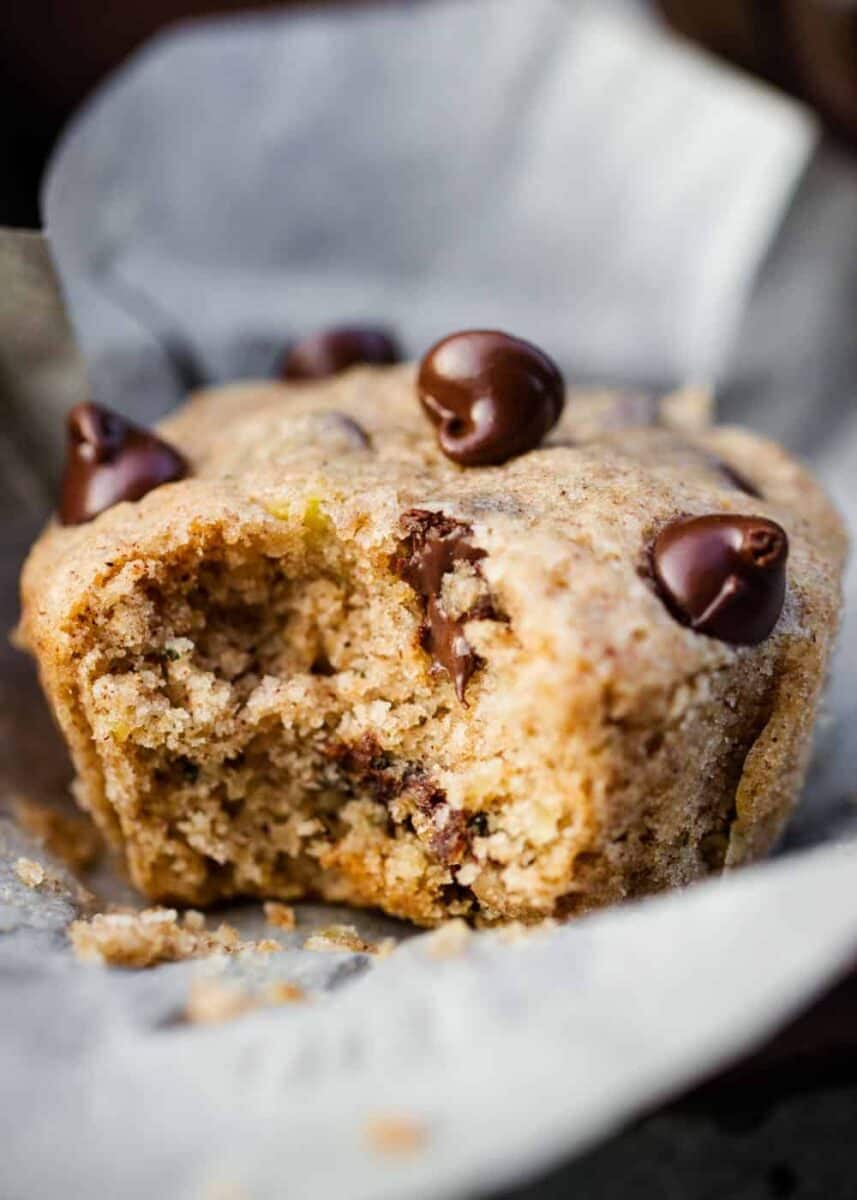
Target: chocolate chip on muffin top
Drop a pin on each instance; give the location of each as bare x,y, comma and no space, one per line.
491,396
109,459
724,575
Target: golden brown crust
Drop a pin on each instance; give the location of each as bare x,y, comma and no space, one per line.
605,751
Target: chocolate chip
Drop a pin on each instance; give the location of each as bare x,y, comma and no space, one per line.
450,840
434,543
422,790
335,424
723,575
188,768
491,396
739,481
333,350
478,825
444,827
321,665
368,765
109,459
443,638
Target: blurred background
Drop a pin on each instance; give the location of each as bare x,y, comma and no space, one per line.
54,52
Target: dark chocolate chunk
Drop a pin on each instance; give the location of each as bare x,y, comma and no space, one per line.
447,831
368,765
434,543
490,396
109,459
333,350
723,575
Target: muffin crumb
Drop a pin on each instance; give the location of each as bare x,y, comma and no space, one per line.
335,938
212,1001
31,873
281,915
155,935
395,1135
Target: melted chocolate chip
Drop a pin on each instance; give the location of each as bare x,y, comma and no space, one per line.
448,833
109,459
490,396
434,543
723,575
445,830
368,765
333,350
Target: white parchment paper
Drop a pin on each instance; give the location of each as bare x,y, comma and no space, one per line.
557,168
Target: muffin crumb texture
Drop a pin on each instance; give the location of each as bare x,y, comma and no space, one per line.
153,936
331,663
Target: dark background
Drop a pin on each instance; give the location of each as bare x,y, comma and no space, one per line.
54,52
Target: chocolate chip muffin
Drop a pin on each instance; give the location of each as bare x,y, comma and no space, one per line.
429,640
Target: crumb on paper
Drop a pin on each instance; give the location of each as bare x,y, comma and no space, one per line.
266,946
281,915
279,991
395,1135
70,837
155,935
516,932
335,938
213,1001
210,1002
449,939
30,873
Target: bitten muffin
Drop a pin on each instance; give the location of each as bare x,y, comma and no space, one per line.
330,661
